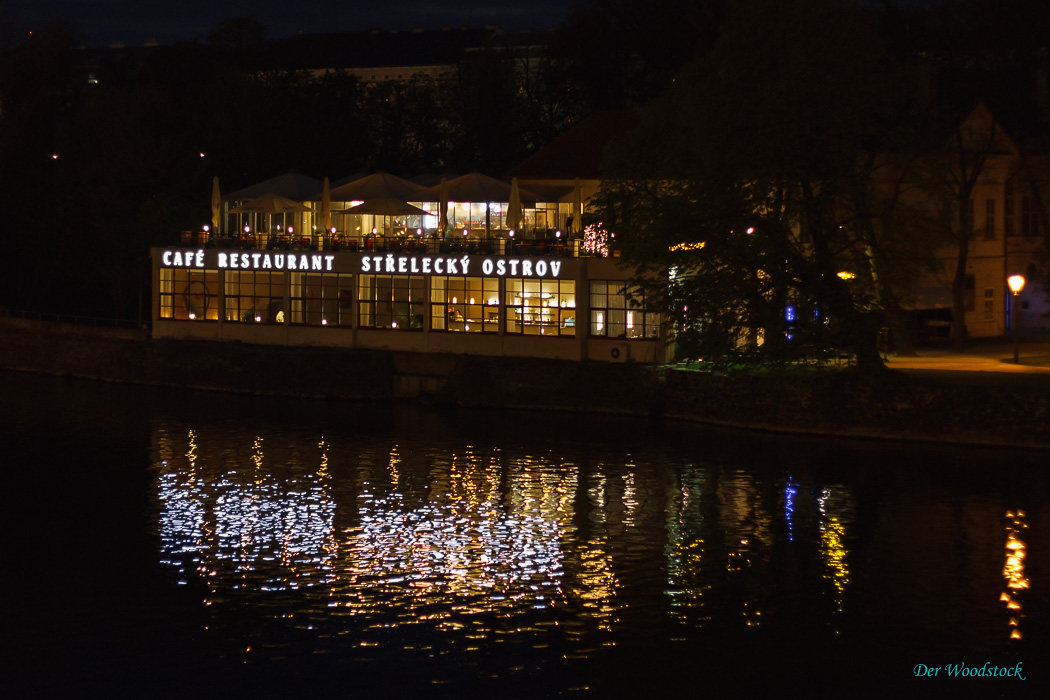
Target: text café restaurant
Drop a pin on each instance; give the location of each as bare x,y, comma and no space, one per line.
412,289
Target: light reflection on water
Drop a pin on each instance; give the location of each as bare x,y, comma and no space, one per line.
269,545
367,548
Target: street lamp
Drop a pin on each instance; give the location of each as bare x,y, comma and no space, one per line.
1016,283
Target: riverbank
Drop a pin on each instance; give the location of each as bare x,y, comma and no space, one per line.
1009,410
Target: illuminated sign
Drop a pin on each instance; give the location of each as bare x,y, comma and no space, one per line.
389,263
182,258
440,265
275,261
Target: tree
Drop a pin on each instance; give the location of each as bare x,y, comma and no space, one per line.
762,155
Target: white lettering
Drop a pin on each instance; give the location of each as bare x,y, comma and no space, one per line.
255,260
437,266
178,259
278,261
366,264
304,262
198,259
526,268
541,268
450,267
165,258
379,263
234,260
555,267
390,263
426,266
486,266
291,262
402,264
222,259
465,262
315,262
328,261
267,262
414,267
514,268
244,260
501,267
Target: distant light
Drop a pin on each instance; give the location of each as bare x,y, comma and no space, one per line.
54,156
419,232
206,228
247,228
750,230
202,154
290,229
846,275
258,319
324,321
557,234
464,232
192,316
1016,283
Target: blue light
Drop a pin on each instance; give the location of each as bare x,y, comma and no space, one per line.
789,313
789,509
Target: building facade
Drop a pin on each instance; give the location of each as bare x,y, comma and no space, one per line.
442,299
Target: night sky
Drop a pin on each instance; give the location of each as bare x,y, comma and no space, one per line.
136,22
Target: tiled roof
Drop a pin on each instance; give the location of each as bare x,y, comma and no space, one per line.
580,150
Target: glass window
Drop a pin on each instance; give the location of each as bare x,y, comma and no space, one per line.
255,297
619,311
467,304
322,299
541,307
391,301
189,294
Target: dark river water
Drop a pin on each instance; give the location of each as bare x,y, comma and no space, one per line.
182,544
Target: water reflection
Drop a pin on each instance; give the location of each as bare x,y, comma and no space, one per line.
1014,570
299,543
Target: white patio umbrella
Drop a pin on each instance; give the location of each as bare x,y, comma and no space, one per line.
515,215
386,206
326,206
270,204
216,206
443,205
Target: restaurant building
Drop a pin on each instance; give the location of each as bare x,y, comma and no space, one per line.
472,265
429,298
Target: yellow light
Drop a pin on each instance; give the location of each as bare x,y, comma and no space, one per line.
1016,283
844,275
687,246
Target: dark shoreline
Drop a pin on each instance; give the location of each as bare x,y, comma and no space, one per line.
1008,412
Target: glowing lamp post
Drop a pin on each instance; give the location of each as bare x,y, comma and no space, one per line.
1016,283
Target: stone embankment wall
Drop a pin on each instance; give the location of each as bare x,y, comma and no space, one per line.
1007,412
